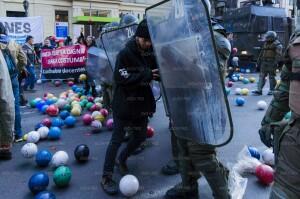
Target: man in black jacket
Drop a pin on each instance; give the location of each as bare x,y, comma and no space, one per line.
133,102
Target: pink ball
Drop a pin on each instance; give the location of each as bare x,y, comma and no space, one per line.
95,107
104,112
110,124
87,119
47,122
70,83
90,99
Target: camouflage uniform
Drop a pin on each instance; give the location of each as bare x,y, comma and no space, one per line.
270,55
287,181
200,159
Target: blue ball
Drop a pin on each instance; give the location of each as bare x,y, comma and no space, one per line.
45,195
40,104
57,122
240,101
50,101
37,126
43,158
54,133
44,108
254,152
38,182
74,87
70,121
64,114
243,70
78,90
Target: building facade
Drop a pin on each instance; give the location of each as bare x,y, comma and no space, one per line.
75,15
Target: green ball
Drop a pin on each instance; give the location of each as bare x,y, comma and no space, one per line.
67,107
288,115
84,101
89,105
62,176
33,103
82,104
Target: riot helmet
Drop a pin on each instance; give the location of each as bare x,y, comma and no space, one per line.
271,36
128,19
110,26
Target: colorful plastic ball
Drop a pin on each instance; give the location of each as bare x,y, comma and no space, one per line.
240,101
67,107
33,137
43,131
87,119
89,105
52,110
150,132
38,182
235,79
45,195
268,157
95,107
91,99
246,81
81,153
96,124
97,100
57,83
64,114
60,158
254,152
262,105
241,78
47,122
58,122
229,84
129,185
110,124
237,91
252,79
95,113
288,115
70,121
75,112
245,91
82,77
61,103
227,91
44,109
43,158
34,102
54,133
265,174
78,90
50,101
29,150
248,70
104,112
37,126
62,176
70,83
100,118
74,87
40,104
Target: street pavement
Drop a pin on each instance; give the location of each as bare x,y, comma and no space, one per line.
85,183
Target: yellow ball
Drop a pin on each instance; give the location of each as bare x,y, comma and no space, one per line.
25,137
252,79
100,118
245,91
82,77
241,78
75,112
83,97
50,95
99,104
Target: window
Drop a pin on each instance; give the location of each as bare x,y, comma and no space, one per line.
96,13
15,14
61,16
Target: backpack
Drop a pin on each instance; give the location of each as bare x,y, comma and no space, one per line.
10,62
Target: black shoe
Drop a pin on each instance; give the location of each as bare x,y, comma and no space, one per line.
109,186
257,92
270,93
139,150
122,166
170,168
179,192
5,154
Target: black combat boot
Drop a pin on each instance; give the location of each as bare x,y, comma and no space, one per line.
180,192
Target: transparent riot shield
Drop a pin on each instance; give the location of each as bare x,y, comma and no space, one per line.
115,40
98,67
185,50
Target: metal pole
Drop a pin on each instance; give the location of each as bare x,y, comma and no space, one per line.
91,17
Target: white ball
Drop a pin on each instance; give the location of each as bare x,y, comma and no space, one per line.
248,70
95,113
43,131
268,157
39,81
60,158
238,91
262,105
235,59
61,103
129,185
33,137
29,150
96,124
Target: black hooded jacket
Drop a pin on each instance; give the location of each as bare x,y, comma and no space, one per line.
133,97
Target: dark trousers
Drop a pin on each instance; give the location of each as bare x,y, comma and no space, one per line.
138,127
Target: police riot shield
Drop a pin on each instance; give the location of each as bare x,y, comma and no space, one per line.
97,66
114,40
184,46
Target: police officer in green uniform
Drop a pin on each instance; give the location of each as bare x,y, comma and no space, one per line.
268,60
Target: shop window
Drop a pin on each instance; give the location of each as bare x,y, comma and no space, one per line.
15,14
61,16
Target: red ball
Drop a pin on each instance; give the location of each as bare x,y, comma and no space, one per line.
90,99
52,110
229,84
57,83
87,119
47,122
70,83
104,112
95,107
265,174
150,132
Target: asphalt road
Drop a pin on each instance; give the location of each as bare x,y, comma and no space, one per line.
85,183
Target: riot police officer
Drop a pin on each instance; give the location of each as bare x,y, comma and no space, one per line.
268,60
